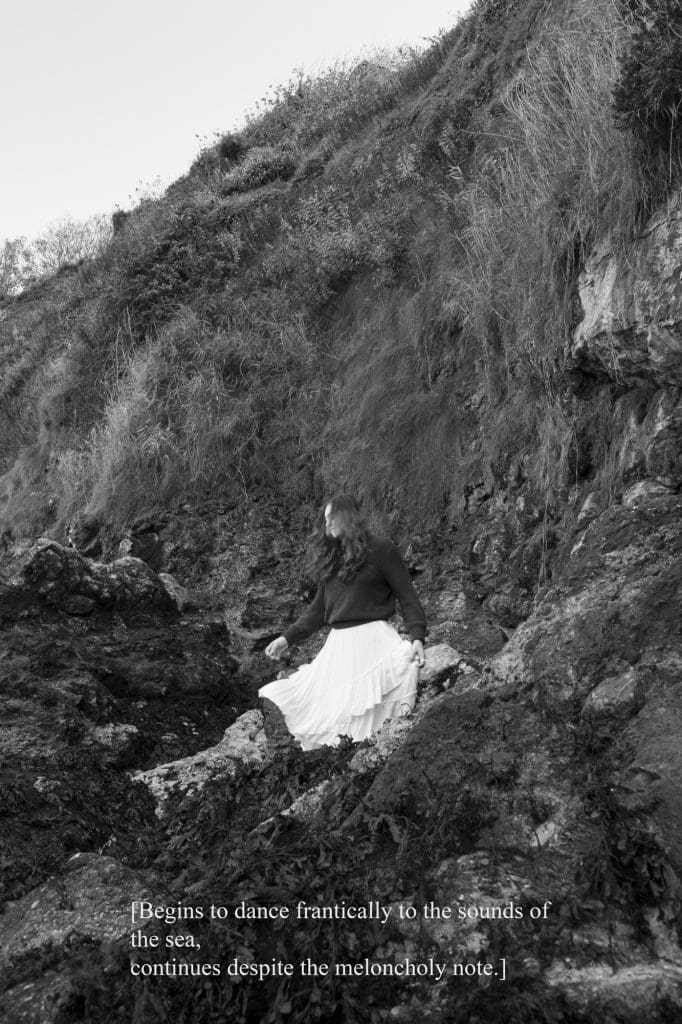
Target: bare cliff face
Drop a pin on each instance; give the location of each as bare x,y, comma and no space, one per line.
631,333
543,763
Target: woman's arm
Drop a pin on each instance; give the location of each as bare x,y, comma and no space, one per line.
309,622
398,578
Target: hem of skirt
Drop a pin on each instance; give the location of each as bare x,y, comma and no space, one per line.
322,739
383,697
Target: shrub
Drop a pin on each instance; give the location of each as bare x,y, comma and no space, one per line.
647,98
445,137
165,259
261,165
230,147
328,238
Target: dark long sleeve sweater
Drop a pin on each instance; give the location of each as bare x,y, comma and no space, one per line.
369,596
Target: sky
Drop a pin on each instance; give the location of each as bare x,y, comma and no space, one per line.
104,101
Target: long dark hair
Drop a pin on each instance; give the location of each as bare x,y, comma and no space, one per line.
328,556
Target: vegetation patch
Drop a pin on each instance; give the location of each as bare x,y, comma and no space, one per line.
647,97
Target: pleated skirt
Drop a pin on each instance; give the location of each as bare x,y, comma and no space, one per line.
362,677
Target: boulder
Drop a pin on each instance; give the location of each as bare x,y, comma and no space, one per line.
616,698
89,901
118,742
244,742
464,624
630,993
50,574
91,898
442,663
617,597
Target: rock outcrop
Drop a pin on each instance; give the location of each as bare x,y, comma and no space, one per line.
244,742
99,671
632,300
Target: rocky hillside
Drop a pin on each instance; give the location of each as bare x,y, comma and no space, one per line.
452,282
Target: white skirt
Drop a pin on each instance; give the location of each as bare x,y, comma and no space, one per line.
362,677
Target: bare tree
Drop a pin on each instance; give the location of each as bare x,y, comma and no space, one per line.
65,241
68,241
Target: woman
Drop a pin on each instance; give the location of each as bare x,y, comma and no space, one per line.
365,673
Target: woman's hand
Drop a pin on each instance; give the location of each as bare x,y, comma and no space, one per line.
277,648
418,653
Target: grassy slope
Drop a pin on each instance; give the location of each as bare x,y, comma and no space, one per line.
371,287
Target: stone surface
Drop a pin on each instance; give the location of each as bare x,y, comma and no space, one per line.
616,697
618,595
144,544
650,776
629,994
278,738
461,622
39,1001
487,762
632,327
84,696
180,596
471,880
641,493
118,740
605,639
61,577
244,742
650,448
91,898
375,752
307,806
488,768
442,663
590,509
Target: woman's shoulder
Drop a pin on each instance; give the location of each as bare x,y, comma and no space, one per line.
380,547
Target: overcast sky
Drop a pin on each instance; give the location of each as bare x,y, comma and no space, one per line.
101,98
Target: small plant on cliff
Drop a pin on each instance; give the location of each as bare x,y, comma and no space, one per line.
628,863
